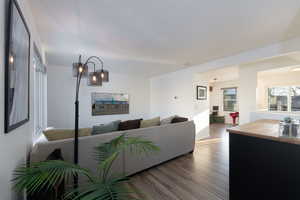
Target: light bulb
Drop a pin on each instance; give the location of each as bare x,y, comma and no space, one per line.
94,78
102,75
80,69
11,59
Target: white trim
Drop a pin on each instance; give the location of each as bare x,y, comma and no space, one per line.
39,96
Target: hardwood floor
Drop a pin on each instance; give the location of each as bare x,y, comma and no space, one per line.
202,175
218,130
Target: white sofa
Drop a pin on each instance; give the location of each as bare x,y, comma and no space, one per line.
173,139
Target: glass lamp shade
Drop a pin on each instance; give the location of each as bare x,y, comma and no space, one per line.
104,75
94,79
80,67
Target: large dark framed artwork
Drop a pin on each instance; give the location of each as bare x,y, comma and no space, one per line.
201,92
17,69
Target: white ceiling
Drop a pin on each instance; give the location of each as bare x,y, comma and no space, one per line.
221,75
157,36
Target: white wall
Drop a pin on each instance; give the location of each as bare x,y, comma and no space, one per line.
61,97
216,97
201,108
175,94
249,93
180,83
15,145
171,94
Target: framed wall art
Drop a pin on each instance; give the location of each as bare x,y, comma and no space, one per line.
110,103
201,92
17,69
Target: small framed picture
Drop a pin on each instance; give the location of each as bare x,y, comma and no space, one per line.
201,92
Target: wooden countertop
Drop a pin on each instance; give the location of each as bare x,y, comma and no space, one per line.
265,128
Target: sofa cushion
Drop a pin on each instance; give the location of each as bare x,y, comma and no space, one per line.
150,122
106,128
179,119
60,134
167,120
130,124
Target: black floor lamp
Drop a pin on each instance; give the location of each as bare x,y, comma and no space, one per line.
95,78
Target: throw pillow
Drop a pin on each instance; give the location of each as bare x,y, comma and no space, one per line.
179,119
130,124
60,134
167,120
55,155
106,128
150,122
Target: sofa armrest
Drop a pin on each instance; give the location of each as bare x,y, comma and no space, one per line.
173,140
86,150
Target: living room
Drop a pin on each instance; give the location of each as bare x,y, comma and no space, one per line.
140,65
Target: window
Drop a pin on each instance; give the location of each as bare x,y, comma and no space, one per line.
284,98
39,94
295,98
278,98
229,99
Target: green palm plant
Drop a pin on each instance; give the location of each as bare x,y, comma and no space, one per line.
46,175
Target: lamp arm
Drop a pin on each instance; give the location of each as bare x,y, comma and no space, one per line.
78,85
90,62
77,80
95,57
79,75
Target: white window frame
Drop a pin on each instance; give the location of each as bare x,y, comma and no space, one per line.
40,79
223,99
289,99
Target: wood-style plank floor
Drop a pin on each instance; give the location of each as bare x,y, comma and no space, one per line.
202,175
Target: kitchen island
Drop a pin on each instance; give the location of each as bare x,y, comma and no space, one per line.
263,165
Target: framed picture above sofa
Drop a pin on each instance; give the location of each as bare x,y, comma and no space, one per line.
201,92
16,69
110,103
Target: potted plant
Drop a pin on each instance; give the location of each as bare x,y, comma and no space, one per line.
46,175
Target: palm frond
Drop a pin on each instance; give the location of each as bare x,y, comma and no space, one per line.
134,144
105,150
45,175
110,189
107,153
139,145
